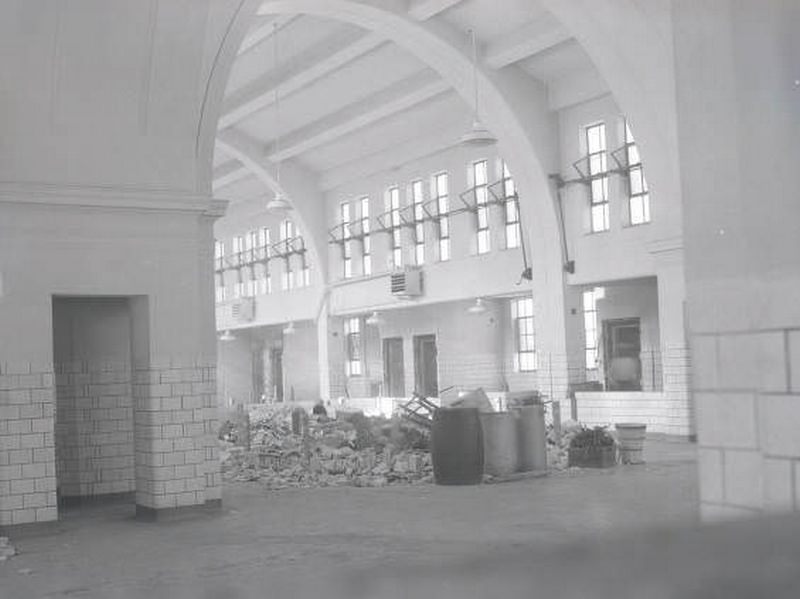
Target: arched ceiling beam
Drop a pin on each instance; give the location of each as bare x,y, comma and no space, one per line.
513,106
297,185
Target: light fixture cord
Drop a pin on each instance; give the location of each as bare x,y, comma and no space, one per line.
277,104
474,70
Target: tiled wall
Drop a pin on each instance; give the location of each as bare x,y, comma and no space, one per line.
175,435
27,463
94,429
747,393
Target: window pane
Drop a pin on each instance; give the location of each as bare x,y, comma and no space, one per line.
637,210
633,155
598,190
512,236
637,181
483,242
598,220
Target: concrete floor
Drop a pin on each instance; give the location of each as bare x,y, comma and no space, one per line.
289,543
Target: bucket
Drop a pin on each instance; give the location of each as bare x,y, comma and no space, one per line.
531,438
631,437
457,447
500,457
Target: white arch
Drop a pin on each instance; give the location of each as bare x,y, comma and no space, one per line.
297,184
515,109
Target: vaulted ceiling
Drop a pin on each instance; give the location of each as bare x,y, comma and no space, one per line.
351,103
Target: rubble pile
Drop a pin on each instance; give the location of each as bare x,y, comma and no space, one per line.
354,451
558,447
7,550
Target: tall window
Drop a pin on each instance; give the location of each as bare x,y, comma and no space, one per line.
265,282
352,335
219,263
397,232
638,194
511,209
598,175
219,254
524,338
238,255
592,341
347,245
480,177
304,279
366,242
251,245
265,243
417,200
287,233
440,194
265,252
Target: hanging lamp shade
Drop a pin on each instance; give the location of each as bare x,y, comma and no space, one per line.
374,320
279,204
227,336
477,308
478,135
289,330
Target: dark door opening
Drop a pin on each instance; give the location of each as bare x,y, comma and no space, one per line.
622,349
393,367
276,358
426,366
94,408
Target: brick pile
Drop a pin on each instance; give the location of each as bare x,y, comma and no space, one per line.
7,550
365,452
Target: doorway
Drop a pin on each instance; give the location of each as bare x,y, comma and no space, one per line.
393,367
622,349
94,420
426,366
276,361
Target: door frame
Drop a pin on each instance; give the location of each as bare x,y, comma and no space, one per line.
417,341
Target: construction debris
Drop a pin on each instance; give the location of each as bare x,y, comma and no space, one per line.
7,550
558,445
351,450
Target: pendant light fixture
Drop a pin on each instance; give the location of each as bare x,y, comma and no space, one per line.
478,135
227,336
374,320
478,307
290,330
278,204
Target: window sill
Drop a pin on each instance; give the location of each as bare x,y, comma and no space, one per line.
636,225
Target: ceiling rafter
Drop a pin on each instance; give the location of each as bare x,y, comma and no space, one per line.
332,55
263,30
529,40
397,155
229,173
384,104
422,10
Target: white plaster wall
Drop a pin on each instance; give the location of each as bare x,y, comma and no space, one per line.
61,250
624,251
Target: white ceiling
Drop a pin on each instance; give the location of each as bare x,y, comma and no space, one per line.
352,104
